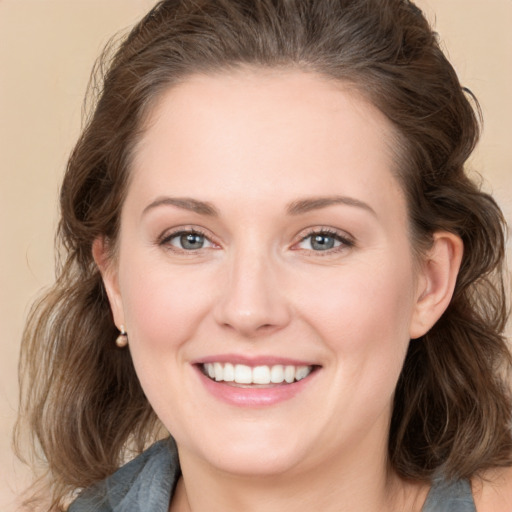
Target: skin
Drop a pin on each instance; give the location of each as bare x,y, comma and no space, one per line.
252,145
492,490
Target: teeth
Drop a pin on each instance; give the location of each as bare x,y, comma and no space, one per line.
243,374
289,374
302,373
229,372
276,374
218,371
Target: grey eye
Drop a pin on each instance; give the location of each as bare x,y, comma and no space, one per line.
190,241
322,242
187,241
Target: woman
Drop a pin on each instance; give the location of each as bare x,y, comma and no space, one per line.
272,252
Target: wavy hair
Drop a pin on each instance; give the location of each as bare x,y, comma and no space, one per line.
80,396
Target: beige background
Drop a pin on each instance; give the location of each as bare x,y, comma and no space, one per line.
47,49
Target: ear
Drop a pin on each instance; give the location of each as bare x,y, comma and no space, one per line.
436,282
109,273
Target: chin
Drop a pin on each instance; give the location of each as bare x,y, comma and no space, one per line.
250,455
255,464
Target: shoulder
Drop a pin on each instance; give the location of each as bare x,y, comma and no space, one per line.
148,479
492,490
449,496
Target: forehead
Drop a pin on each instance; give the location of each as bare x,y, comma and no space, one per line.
271,133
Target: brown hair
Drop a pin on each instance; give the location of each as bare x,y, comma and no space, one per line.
81,397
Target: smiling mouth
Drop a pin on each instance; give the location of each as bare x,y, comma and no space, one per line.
241,374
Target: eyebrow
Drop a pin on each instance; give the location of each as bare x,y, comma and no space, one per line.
186,203
294,208
316,203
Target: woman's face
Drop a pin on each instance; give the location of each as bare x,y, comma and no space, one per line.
264,272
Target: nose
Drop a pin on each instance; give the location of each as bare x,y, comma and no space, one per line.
252,300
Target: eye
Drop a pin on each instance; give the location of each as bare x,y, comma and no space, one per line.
187,240
321,241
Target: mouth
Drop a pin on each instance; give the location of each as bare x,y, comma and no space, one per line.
242,382
255,376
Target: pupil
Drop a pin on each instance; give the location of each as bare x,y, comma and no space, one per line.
191,241
322,242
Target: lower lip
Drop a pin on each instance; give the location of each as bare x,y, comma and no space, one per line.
254,396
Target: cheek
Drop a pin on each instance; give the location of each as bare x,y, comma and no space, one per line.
358,304
163,307
363,317
163,312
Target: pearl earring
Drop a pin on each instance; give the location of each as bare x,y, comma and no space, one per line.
122,339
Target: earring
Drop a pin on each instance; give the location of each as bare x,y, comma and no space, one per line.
122,339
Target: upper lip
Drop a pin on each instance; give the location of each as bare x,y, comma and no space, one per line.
253,360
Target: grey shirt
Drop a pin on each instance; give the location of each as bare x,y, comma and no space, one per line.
147,483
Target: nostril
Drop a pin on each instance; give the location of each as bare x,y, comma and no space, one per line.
252,304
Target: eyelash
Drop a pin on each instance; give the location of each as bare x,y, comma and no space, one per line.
345,241
166,238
